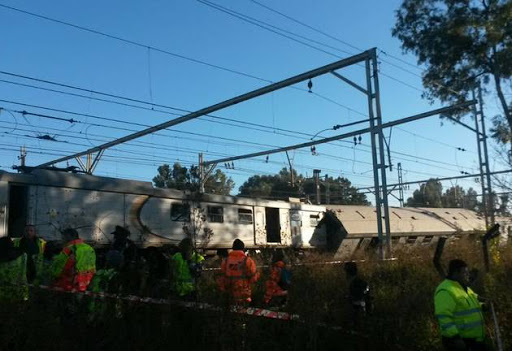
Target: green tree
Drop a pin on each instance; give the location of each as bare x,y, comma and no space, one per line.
456,196
429,195
332,190
183,178
461,43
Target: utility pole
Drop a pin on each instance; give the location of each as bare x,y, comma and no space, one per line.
316,176
483,158
400,185
22,156
201,173
378,157
327,190
292,177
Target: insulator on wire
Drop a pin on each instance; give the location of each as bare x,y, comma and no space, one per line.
355,140
266,159
232,165
310,85
359,139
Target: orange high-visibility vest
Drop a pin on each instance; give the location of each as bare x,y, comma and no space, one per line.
239,273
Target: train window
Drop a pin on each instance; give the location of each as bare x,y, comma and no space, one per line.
411,239
244,216
215,214
180,212
427,239
313,220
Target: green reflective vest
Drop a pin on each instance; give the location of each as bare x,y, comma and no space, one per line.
183,281
13,280
458,312
38,259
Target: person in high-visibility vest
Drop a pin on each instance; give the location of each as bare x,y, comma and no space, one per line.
13,276
75,266
458,311
278,282
34,247
239,274
186,268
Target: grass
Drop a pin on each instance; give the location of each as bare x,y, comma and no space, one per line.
402,318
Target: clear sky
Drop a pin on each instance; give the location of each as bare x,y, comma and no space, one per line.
47,50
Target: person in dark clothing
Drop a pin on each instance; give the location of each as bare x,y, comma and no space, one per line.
124,245
358,294
34,247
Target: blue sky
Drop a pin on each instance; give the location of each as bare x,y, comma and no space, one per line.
46,50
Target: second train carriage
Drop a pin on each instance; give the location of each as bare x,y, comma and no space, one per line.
94,205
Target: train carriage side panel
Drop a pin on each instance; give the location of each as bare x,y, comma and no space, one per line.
93,213
226,222
311,236
159,220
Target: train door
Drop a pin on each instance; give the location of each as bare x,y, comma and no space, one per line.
4,188
260,233
18,206
273,225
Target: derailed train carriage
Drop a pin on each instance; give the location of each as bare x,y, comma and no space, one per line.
93,205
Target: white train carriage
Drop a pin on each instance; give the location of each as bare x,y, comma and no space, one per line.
93,205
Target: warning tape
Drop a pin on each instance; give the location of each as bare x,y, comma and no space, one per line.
251,311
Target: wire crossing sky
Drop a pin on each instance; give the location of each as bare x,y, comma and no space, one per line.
76,75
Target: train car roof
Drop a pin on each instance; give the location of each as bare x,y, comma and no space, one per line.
359,220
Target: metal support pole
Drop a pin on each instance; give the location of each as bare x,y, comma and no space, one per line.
490,197
201,173
221,105
374,144
316,176
292,177
327,190
378,157
400,186
390,124
483,160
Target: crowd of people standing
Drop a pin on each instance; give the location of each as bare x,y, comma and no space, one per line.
124,269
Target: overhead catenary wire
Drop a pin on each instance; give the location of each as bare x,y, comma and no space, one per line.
265,145
244,141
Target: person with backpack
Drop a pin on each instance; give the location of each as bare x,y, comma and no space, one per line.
278,282
74,267
240,273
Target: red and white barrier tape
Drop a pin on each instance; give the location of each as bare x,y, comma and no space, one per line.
251,311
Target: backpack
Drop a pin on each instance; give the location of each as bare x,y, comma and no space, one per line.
285,279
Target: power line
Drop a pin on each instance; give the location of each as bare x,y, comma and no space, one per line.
263,145
359,49
152,109
153,48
